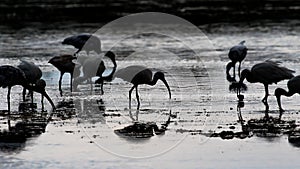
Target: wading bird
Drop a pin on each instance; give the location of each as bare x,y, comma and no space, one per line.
33,76
11,76
95,67
293,87
236,54
138,75
267,72
84,41
65,65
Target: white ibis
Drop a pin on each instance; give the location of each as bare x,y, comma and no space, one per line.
65,65
236,54
11,76
84,41
267,72
95,67
138,75
293,87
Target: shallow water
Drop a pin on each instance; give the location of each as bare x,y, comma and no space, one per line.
200,99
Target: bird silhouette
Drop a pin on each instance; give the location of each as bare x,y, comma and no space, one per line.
33,76
293,87
84,41
65,64
267,72
32,73
11,76
95,67
236,54
138,75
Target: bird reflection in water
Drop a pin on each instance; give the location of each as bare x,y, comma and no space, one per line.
144,130
20,127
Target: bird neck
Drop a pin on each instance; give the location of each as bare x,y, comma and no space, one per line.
110,76
247,74
153,81
279,92
228,67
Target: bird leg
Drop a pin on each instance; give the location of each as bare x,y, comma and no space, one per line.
8,100
101,86
59,83
130,91
239,70
42,102
71,82
24,93
31,96
265,99
267,110
90,81
137,97
234,71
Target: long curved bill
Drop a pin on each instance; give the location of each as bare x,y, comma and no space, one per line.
166,84
49,99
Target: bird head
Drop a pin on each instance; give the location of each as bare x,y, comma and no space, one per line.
245,74
161,76
39,87
278,93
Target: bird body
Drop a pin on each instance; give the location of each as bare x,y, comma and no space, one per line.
138,75
236,54
32,71
84,41
267,72
65,64
95,67
33,74
293,87
11,76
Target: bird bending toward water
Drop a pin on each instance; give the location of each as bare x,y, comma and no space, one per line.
95,67
236,54
138,75
33,76
11,76
65,64
84,41
293,87
32,73
267,72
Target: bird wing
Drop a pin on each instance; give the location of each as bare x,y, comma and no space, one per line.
10,76
130,72
32,71
270,72
77,41
238,52
63,63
